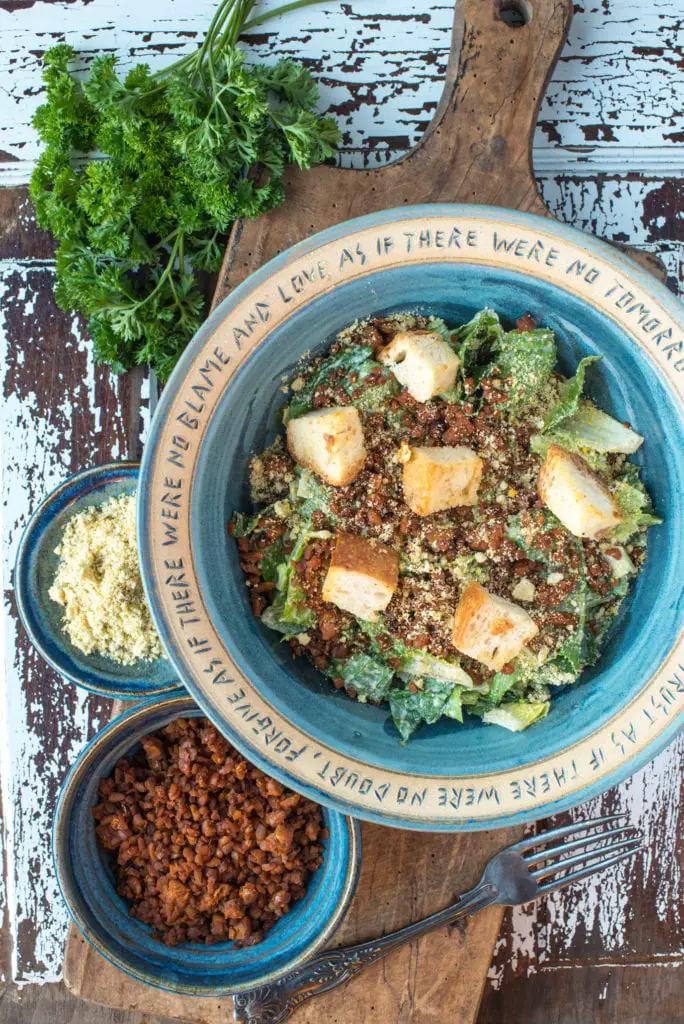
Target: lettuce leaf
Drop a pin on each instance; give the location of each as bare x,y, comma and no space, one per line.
635,505
417,664
409,710
357,359
529,359
526,538
517,717
593,428
273,557
243,524
483,332
369,677
309,494
570,394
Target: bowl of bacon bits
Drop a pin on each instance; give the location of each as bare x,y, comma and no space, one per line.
189,868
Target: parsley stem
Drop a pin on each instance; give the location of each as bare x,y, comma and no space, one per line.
283,9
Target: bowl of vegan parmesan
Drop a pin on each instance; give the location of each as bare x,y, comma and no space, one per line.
427,467
79,592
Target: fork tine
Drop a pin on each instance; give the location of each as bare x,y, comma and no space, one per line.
535,858
575,876
565,830
581,858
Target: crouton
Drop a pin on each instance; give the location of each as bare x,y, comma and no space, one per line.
440,478
422,361
570,488
329,442
362,577
489,628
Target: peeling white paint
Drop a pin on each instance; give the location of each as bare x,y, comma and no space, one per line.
32,465
603,78
609,106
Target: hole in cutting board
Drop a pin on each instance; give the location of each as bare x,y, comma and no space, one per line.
515,13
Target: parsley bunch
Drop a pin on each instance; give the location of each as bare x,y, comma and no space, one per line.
140,180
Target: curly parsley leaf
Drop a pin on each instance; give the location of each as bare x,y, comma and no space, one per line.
140,180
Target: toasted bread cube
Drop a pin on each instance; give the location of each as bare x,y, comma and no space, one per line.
362,577
570,488
329,442
489,628
422,361
439,478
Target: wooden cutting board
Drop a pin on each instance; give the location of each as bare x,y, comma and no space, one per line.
477,150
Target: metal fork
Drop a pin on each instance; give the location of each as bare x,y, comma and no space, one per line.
517,874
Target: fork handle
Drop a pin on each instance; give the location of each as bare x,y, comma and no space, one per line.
272,1004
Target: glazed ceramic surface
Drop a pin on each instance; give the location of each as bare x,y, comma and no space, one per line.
87,882
222,405
35,571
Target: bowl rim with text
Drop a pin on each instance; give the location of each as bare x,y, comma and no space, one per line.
221,404
87,887
35,565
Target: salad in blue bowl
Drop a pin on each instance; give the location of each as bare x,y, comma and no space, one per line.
447,525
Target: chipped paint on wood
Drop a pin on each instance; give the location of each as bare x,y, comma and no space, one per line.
59,413
604,921
611,108
613,104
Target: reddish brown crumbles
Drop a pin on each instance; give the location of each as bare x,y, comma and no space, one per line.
205,847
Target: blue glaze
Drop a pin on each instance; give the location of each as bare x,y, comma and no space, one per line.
626,384
35,570
86,882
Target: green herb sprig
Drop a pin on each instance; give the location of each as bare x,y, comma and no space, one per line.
140,180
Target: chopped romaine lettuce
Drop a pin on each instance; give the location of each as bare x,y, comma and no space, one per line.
273,556
356,359
409,710
310,494
415,664
243,524
374,399
528,359
636,508
569,397
479,335
454,705
539,443
369,677
436,323
589,427
516,717
526,539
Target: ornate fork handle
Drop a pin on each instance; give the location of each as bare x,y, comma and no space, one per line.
272,1004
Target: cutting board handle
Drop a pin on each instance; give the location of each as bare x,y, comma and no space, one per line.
476,150
478,147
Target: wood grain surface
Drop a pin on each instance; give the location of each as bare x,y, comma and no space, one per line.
403,876
608,156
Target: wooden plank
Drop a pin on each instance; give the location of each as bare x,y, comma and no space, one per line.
400,880
605,994
40,1004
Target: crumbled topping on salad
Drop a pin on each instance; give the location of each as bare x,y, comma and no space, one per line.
509,405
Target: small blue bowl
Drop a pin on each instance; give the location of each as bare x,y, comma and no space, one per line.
34,574
87,882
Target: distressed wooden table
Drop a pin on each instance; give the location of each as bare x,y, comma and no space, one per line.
609,155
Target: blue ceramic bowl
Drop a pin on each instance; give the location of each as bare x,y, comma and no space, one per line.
35,571
598,303
86,881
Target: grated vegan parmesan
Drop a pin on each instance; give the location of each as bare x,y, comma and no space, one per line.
98,584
